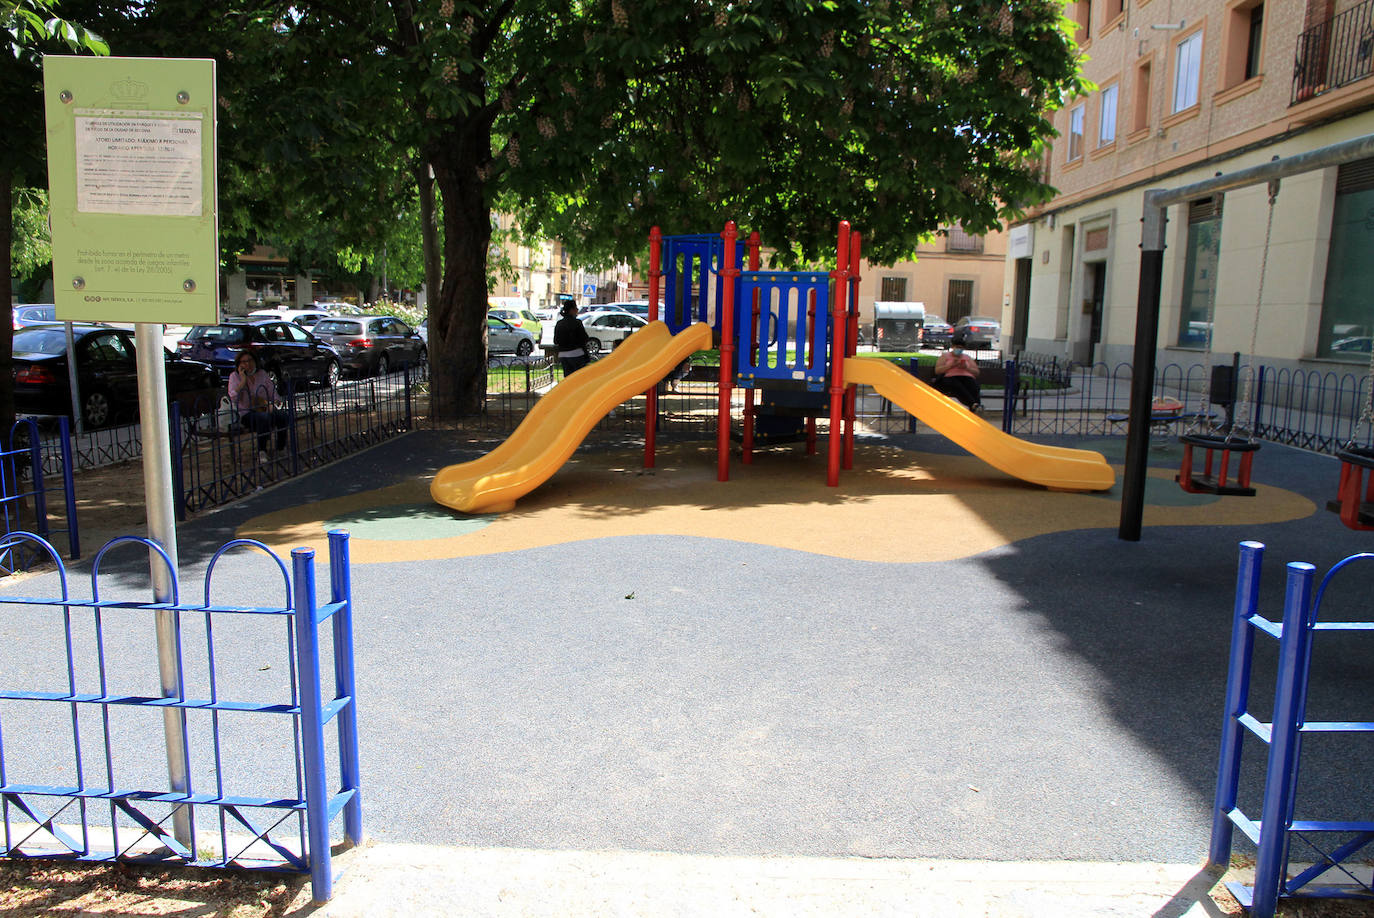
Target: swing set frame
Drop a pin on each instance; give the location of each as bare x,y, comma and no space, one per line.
1154,221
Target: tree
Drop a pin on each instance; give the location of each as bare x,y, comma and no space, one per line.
784,115
30,28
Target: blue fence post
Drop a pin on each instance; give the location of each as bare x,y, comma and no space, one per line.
178,478
40,494
312,728
1010,384
1276,810
345,685
1237,694
913,365
69,485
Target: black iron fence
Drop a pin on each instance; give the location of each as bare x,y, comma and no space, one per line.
223,459
1334,53
1319,410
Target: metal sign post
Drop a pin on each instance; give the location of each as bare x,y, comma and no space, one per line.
132,196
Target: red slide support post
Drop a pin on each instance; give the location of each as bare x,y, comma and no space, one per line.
839,326
651,397
747,437
851,391
727,352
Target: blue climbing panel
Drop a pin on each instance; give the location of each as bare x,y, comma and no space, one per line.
691,269
783,323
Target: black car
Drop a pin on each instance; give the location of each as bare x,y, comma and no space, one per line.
283,349
106,375
371,344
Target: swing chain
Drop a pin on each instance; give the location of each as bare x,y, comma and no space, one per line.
1239,415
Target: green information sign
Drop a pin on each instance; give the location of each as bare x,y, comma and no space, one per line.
132,188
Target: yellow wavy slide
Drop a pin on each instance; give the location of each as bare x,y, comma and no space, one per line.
1052,466
560,420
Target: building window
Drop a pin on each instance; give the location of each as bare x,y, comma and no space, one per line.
1083,15
1252,42
1075,133
960,300
1201,256
1187,71
1244,40
1106,128
1140,110
893,290
1113,9
960,241
1347,314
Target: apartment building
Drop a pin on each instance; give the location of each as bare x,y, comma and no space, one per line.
1186,91
956,274
544,271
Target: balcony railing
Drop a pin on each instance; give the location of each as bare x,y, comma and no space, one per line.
1335,53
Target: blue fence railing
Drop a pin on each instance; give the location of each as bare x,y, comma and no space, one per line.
1332,845
30,495
79,776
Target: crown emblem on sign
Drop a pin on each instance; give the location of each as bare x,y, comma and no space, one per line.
128,90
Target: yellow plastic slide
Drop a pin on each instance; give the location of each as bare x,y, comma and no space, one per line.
556,425
1051,466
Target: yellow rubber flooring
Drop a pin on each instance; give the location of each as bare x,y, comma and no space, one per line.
894,506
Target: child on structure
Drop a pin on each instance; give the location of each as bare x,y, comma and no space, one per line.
956,374
570,337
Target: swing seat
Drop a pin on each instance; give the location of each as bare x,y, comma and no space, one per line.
1216,466
1355,498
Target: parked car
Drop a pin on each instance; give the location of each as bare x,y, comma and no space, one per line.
283,349
980,332
423,331
639,308
372,344
305,318
106,375
938,332
34,314
607,329
505,338
520,318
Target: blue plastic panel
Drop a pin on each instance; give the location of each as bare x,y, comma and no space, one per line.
783,322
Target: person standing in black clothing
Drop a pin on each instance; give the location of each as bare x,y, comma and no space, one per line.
570,337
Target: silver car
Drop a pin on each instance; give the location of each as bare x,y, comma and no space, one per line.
607,329
980,332
505,338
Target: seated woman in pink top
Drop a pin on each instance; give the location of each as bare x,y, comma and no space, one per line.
254,398
956,374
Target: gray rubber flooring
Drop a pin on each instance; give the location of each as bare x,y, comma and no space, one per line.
1056,698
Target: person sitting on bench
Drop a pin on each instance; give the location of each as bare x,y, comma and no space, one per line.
254,397
956,374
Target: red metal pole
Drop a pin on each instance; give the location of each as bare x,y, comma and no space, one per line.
747,438
651,397
851,391
727,352
839,323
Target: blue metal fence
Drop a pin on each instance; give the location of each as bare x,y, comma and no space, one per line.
61,798
1276,828
26,490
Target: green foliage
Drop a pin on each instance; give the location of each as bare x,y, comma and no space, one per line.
31,243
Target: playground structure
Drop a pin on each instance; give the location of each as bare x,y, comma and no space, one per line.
786,338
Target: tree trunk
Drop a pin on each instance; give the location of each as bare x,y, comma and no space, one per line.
429,232
7,333
458,317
